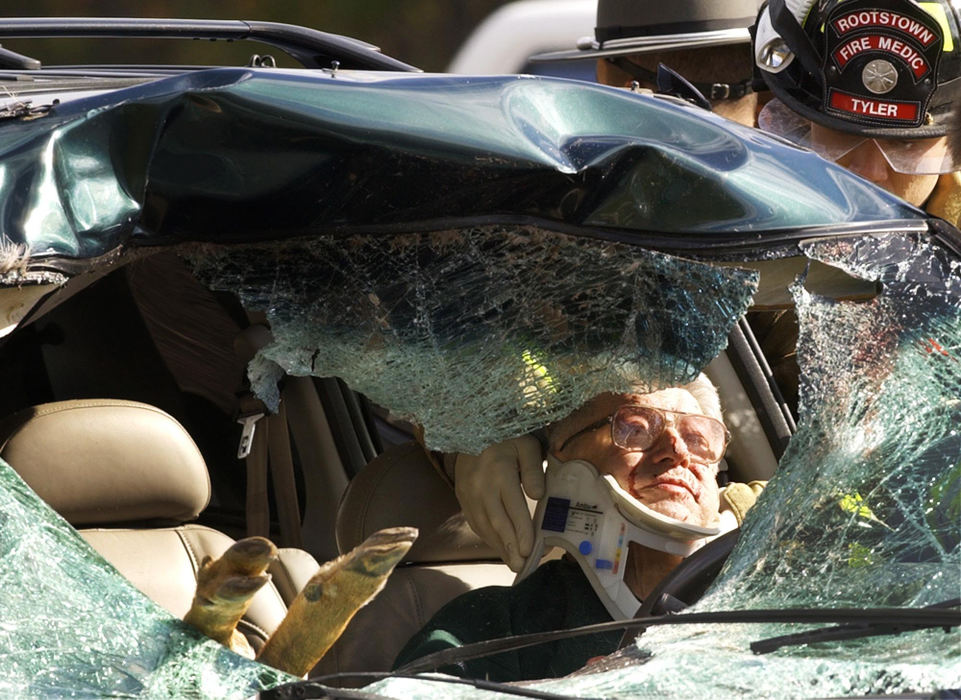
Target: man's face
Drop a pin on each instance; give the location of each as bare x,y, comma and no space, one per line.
664,477
867,161
887,162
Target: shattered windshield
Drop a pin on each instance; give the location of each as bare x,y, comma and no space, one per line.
481,334
863,510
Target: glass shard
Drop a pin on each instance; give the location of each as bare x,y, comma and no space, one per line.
73,627
480,334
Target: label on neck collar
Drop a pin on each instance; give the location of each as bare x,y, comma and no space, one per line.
592,518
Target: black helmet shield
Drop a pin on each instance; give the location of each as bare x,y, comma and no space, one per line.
882,68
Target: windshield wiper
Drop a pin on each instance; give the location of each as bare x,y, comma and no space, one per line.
916,618
852,631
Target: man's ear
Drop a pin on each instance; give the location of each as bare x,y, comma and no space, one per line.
554,433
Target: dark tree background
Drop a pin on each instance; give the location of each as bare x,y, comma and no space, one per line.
425,33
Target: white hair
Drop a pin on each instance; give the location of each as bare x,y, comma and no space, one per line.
705,393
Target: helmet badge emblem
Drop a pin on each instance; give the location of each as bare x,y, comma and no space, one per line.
879,76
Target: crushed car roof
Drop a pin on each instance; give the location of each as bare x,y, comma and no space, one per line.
245,154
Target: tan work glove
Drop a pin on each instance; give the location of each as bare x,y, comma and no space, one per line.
488,487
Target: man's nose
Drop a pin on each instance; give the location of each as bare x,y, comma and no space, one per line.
670,450
867,161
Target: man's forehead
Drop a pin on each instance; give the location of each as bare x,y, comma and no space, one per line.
673,399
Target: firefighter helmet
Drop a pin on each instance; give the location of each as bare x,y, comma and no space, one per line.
888,69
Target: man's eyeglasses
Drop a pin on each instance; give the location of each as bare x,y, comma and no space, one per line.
636,428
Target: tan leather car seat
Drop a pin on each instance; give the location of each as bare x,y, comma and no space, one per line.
128,476
401,487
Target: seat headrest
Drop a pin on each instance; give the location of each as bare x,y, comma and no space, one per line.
402,487
102,461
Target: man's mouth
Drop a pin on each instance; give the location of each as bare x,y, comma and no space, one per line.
674,481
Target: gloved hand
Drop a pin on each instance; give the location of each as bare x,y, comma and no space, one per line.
488,487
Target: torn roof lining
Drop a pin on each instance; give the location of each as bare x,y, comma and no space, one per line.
575,154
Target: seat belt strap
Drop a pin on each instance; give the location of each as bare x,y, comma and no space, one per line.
257,505
282,479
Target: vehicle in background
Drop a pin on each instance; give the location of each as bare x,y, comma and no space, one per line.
509,36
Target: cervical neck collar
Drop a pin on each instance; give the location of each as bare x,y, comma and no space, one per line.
594,520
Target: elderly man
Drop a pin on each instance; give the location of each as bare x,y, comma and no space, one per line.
706,41
662,449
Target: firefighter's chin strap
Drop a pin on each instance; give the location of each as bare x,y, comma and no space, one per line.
594,520
710,91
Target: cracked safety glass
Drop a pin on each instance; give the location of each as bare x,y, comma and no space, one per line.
479,334
73,627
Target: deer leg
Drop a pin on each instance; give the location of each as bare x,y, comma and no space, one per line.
319,614
225,588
